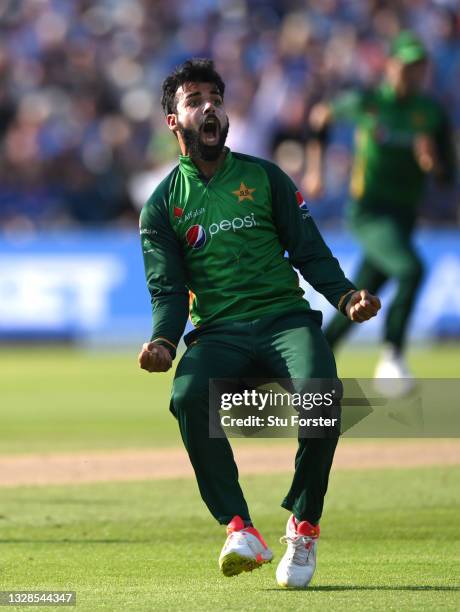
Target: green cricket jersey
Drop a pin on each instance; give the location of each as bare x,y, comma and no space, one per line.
385,172
217,247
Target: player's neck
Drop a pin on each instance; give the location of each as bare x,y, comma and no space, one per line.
209,168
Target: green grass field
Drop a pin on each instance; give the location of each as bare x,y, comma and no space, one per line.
55,401
389,537
390,542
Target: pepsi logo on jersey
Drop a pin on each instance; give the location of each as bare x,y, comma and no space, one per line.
300,201
196,234
302,205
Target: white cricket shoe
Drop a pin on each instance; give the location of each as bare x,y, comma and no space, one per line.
244,550
392,375
296,568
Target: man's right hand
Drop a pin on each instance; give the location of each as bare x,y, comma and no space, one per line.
154,357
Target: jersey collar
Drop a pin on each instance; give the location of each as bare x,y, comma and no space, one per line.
187,166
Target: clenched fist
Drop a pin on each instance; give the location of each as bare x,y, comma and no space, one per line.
362,306
425,153
154,357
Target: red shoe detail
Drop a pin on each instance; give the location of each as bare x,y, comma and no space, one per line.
236,524
253,531
259,558
307,529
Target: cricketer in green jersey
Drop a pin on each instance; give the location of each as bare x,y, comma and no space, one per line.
401,135
214,234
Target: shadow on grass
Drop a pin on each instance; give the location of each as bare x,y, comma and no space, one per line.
344,587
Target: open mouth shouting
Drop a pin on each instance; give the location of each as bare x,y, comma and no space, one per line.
210,131
206,142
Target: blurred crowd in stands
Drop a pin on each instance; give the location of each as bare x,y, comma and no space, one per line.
82,135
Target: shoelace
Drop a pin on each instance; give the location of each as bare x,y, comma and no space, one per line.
298,549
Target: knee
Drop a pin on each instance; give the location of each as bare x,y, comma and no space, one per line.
412,271
187,396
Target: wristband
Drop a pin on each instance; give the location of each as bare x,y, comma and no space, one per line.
344,301
167,344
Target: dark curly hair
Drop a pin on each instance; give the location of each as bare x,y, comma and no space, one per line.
196,70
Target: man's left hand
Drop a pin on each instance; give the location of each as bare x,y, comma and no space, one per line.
362,306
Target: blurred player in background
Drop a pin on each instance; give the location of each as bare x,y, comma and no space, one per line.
402,135
214,234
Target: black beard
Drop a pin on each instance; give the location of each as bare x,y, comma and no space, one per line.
197,149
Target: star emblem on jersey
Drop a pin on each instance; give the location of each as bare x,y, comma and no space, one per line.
244,193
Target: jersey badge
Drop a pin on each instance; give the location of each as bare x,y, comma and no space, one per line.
244,193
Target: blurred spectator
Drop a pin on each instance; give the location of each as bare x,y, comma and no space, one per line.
81,127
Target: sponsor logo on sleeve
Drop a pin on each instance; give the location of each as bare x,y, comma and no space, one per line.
302,204
148,246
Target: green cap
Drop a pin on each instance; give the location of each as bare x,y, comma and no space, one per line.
408,48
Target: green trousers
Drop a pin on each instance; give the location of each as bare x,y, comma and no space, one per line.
282,346
388,254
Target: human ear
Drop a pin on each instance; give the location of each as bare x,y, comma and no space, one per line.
171,120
